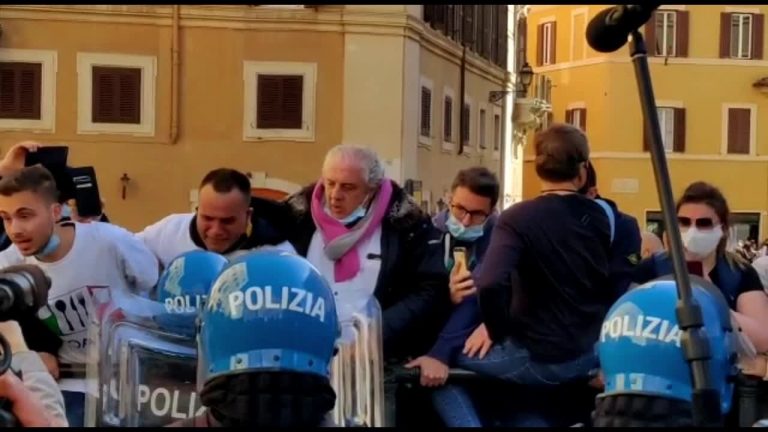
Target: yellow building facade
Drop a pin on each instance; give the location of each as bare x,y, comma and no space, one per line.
155,96
707,63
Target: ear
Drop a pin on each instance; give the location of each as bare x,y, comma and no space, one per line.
56,211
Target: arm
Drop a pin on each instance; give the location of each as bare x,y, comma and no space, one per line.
625,254
463,321
429,294
138,263
494,282
752,310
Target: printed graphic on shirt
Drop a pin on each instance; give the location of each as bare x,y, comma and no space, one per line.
70,315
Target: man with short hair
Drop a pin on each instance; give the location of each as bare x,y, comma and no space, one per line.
77,257
543,286
626,244
227,221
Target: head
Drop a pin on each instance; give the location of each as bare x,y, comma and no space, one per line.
223,209
30,208
562,155
590,186
351,175
474,194
282,355
703,214
650,244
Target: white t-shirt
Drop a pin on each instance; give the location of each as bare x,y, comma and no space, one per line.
102,255
170,237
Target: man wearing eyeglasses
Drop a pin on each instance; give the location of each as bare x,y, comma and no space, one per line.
466,226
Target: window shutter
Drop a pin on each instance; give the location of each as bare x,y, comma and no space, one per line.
468,27
487,17
568,116
429,13
502,49
448,119
758,36
725,35
522,38
438,21
465,114
679,139
650,34
682,33
20,90
540,45
116,95
583,119
426,112
554,42
280,101
738,130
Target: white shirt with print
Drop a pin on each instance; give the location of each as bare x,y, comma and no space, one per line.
170,237
102,256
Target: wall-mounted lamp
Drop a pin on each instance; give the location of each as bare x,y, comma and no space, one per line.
525,78
125,180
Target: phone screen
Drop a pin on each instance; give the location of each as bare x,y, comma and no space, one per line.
460,257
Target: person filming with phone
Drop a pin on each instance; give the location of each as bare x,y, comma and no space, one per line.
466,226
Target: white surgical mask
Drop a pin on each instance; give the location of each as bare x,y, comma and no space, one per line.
702,243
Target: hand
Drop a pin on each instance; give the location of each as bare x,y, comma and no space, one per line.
434,373
25,406
51,363
478,343
461,284
16,157
11,331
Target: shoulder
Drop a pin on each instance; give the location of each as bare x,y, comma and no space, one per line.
172,221
750,279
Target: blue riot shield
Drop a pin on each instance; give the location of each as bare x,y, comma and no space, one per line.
357,371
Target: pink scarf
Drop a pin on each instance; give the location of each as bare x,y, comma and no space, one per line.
341,242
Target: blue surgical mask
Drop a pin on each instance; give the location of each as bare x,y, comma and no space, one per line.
50,247
66,211
460,232
355,215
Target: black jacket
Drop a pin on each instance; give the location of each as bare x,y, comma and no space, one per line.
412,287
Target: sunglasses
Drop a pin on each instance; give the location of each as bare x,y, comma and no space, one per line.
700,223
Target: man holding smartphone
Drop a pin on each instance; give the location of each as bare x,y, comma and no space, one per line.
466,227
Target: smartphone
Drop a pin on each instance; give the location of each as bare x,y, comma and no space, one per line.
51,156
695,268
460,258
86,192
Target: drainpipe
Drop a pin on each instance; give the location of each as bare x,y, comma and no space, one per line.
175,62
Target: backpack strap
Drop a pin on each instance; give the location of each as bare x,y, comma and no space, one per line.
611,215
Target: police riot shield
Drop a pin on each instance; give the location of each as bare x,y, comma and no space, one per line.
357,370
145,375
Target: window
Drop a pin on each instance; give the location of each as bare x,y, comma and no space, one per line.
741,35
27,89
672,126
739,129
496,132
426,112
481,130
448,121
546,44
20,90
577,117
465,113
279,101
116,94
482,28
665,33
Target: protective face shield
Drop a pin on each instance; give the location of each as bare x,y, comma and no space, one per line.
267,311
639,346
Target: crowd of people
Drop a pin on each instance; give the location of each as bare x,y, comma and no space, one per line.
518,295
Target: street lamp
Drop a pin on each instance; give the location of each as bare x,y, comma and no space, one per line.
525,77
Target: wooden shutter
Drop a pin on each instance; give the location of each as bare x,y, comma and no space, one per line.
553,39
468,27
426,112
583,119
280,101
681,23
429,13
438,20
450,20
650,34
758,36
466,115
679,125
487,39
540,45
20,90
448,119
738,130
568,116
116,95
725,35
502,40
522,37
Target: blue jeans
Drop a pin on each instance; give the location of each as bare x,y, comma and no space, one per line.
74,404
510,362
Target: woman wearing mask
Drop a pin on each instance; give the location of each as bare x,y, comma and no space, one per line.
703,216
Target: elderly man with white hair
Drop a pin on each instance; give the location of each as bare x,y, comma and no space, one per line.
369,238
